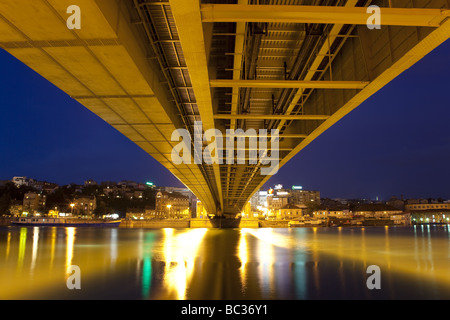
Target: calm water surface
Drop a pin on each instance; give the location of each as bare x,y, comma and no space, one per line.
298,263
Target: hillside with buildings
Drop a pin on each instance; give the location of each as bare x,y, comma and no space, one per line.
22,196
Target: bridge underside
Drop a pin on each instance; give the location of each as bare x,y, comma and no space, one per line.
150,67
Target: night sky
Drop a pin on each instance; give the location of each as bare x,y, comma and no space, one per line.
395,143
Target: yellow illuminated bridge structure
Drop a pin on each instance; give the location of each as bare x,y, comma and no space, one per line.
149,67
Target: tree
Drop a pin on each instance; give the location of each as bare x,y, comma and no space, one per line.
58,198
101,208
5,203
312,207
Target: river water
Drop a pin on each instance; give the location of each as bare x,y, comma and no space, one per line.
265,263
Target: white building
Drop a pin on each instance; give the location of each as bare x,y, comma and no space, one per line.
20,181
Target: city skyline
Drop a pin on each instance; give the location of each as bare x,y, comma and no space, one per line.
385,147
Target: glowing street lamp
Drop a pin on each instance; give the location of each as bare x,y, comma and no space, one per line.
72,205
168,207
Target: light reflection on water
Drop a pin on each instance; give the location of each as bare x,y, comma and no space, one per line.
299,263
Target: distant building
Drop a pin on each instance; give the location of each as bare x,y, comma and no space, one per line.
401,218
44,186
138,194
427,206
375,210
108,190
259,199
184,191
20,181
172,205
84,205
33,202
291,211
279,197
90,183
416,201
325,211
433,212
396,203
304,197
200,210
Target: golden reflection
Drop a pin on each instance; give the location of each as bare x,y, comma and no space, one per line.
8,245
52,247
113,247
430,250
315,256
268,235
363,246
414,257
387,246
243,256
180,252
265,251
22,247
35,247
70,240
168,244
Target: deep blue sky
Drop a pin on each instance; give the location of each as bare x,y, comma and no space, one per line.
397,142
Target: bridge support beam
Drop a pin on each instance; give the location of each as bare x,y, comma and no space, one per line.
190,31
321,14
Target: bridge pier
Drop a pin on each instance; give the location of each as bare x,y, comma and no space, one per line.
222,223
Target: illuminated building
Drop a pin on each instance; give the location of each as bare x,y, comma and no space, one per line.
200,210
428,212
20,181
291,211
171,205
84,205
325,211
427,206
279,197
375,210
304,197
33,202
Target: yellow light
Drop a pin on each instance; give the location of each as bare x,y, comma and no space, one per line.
180,251
243,256
72,205
70,241
169,206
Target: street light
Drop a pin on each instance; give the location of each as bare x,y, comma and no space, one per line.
169,206
72,205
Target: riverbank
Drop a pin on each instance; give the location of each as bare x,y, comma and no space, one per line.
229,223
190,223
